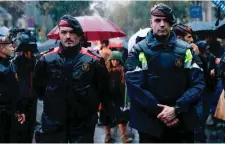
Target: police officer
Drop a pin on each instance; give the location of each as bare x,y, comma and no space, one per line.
24,62
10,98
71,81
164,83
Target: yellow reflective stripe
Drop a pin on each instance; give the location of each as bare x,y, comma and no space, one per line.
142,57
188,59
188,56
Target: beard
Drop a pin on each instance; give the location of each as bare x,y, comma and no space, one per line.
71,45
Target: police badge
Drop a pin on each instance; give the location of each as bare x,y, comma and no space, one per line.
178,63
85,67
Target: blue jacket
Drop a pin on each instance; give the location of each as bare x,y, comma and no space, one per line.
170,76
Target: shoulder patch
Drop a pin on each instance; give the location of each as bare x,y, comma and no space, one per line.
182,44
141,45
91,54
181,47
51,50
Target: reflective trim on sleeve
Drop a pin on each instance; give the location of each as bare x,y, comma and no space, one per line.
135,70
142,57
143,60
188,59
195,65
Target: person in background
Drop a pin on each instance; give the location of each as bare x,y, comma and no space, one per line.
114,65
104,50
185,33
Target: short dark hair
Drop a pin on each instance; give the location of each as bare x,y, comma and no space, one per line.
182,30
106,42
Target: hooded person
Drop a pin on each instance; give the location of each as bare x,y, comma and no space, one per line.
71,81
114,65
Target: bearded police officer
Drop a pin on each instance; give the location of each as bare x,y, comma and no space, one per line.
164,83
72,81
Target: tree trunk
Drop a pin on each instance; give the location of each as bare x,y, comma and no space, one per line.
44,24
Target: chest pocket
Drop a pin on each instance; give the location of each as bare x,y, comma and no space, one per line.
82,73
179,61
56,74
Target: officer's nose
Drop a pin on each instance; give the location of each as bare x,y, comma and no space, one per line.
68,35
192,40
162,23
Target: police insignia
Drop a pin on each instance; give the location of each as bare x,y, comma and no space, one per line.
85,67
178,63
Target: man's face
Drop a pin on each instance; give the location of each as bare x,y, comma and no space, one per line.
188,38
160,25
7,50
68,37
102,45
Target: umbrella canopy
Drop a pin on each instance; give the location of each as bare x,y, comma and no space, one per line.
220,30
202,26
141,33
118,43
94,27
3,31
48,44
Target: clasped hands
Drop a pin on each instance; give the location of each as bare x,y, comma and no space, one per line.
168,116
20,117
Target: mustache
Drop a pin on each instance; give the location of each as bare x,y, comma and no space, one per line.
69,40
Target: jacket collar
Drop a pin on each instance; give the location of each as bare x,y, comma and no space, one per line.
153,43
69,52
5,61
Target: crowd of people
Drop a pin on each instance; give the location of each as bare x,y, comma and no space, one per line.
173,82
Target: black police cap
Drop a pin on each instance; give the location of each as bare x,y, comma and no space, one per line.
71,22
163,10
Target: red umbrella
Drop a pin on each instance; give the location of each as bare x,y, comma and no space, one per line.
115,43
94,27
118,43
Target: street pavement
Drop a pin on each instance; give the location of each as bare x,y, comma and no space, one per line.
215,130
115,133
99,130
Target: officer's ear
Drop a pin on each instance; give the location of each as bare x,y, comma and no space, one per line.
150,21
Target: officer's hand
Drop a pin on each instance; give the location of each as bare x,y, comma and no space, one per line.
217,61
174,122
195,48
21,118
212,72
167,114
